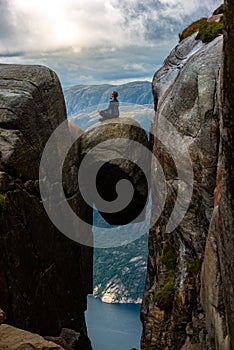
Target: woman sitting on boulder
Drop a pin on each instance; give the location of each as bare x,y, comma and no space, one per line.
113,109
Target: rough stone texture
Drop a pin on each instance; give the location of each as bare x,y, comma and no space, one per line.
119,167
76,340
44,276
12,338
172,315
59,341
212,288
193,347
226,208
2,316
31,106
218,290
178,57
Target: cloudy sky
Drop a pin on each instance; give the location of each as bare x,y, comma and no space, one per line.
95,41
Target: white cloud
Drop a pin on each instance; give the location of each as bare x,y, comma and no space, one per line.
134,66
55,24
103,40
47,25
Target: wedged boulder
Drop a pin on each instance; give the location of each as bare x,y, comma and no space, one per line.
186,120
117,149
44,276
12,338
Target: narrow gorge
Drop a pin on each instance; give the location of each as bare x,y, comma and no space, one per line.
45,277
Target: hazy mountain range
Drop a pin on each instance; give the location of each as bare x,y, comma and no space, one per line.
83,101
87,98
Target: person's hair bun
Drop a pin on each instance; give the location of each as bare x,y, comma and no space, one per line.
115,94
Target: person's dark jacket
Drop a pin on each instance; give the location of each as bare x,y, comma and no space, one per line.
112,111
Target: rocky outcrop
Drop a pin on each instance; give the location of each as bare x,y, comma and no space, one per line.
12,338
76,340
116,155
44,276
217,273
186,93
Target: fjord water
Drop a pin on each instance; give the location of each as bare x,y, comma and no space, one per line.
113,326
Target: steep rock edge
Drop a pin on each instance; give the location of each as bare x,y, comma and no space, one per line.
44,276
186,93
217,290
226,212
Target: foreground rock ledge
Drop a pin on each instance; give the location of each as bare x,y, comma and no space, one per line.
12,338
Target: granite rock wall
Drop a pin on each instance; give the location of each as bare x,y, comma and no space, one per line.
44,276
187,103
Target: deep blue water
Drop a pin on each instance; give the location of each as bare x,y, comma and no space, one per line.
113,326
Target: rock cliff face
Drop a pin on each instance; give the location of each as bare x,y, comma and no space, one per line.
226,208
187,98
44,276
217,273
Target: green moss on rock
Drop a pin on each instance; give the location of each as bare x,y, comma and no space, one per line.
192,28
168,258
193,268
207,30
2,201
164,297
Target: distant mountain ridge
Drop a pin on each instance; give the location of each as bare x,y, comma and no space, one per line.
87,98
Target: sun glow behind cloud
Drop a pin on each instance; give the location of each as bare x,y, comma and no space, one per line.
57,24
86,41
